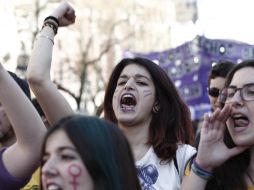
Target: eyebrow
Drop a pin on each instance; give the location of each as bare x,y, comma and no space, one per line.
62,148
247,84
136,76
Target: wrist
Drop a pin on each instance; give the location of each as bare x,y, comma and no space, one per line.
206,167
51,22
201,172
52,19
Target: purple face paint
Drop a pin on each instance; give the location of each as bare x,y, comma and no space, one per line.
147,93
74,171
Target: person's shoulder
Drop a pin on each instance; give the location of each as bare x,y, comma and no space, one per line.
34,182
186,147
7,180
183,154
185,151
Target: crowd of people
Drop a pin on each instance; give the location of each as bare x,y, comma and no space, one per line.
145,139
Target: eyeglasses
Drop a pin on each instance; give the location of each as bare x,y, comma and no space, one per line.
246,93
214,92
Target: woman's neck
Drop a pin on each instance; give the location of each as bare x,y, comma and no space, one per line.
137,136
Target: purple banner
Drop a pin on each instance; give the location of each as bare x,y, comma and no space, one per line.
189,64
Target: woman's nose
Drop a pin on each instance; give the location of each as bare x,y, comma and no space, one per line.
129,84
49,168
237,99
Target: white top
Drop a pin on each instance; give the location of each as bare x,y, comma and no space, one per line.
154,175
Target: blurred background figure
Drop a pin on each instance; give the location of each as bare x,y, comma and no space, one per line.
216,81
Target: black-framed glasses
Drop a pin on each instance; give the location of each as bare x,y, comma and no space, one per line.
246,93
214,92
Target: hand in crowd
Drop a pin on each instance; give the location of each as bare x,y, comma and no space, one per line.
212,151
65,14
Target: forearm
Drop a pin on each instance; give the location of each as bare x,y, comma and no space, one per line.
54,105
27,125
19,110
193,182
40,61
38,71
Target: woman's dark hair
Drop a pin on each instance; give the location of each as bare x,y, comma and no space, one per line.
172,125
104,151
231,174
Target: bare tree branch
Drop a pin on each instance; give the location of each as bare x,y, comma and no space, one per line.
60,87
38,9
112,28
109,45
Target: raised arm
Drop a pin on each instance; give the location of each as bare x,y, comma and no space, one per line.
51,100
22,158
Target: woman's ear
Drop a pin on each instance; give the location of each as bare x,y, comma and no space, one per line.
156,107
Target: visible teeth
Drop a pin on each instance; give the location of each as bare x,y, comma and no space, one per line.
237,115
53,187
126,96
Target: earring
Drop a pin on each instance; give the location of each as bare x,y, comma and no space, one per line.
156,108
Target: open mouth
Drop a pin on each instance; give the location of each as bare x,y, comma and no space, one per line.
240,120
53,187
128,102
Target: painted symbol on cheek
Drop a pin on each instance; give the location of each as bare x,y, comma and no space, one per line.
74,171
147,93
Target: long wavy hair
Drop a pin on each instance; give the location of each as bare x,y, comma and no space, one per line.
104,151
172,125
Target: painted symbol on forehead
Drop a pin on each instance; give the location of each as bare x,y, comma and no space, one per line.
147,93
74,171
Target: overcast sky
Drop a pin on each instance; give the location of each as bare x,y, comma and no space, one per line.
227,19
